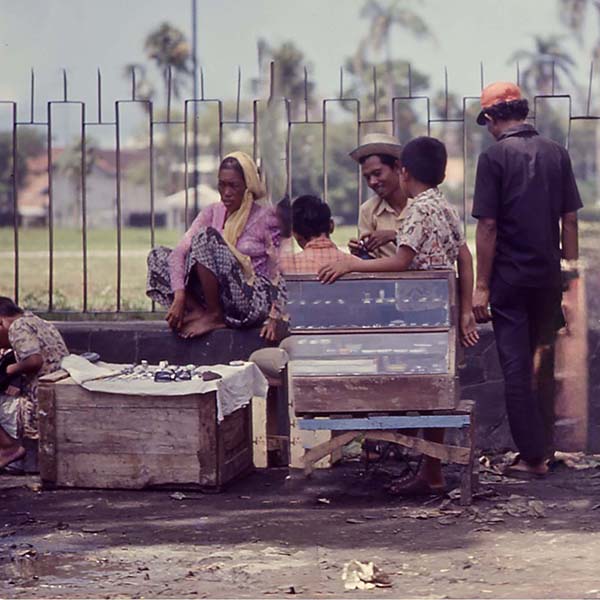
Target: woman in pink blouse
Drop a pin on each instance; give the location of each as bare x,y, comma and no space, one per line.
224,272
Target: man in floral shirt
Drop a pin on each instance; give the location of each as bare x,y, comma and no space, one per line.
429,238
39,349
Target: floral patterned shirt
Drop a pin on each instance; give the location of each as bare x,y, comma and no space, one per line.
431,227
29,335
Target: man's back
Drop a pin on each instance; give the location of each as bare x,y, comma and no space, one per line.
525,182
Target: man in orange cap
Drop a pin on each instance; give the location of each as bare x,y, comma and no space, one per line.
526,203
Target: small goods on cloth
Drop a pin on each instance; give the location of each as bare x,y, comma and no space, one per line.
236,387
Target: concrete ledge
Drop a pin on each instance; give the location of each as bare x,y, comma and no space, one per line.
133,341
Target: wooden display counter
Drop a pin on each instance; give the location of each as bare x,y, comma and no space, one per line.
372,354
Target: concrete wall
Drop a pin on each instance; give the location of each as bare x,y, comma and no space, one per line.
479,370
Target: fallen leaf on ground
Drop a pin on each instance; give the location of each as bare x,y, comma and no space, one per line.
177,496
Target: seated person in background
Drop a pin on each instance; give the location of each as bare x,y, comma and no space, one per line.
224,272
379,218
311,227
39,349
430,238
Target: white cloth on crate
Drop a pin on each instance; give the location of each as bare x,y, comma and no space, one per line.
234,390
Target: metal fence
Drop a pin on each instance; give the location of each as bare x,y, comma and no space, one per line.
302,146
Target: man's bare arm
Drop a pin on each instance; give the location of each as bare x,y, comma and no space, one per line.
486,247
569,236
30,365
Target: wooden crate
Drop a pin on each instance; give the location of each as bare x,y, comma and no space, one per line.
99,440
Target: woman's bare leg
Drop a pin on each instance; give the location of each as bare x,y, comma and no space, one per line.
202,319
10,449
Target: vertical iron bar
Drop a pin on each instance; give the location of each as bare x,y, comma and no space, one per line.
255,131
288,151
133,84
518,75
445,92
375,111
201,83
324,149
238,95
553,76
196,178
341,82
152,215
589,98
220,105
481,74
64,76
84,208
14,176
50,213
185,162
195,91
99,86
169,85
119,232
32,98
305,95
409,80
464,149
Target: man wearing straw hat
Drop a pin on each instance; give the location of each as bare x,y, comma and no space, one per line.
526,203
380,216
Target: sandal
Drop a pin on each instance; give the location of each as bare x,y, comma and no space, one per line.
414,486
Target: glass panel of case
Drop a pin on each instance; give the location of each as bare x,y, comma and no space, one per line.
368,303
369,354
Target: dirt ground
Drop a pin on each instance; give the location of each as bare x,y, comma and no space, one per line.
264,538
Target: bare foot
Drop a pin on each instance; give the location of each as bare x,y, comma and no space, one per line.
202,324
9,455
522,469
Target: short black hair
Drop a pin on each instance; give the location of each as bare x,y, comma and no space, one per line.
8,308
515,110
425,159
386,159
311,217
283,210
233,163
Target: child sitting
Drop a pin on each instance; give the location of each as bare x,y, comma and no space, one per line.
311,227
430,237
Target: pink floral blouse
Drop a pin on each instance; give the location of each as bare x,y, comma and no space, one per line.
260,240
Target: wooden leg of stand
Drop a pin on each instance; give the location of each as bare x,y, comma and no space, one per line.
467,484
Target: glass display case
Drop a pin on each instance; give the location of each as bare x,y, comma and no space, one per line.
373,342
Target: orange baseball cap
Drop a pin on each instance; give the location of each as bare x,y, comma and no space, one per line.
495,93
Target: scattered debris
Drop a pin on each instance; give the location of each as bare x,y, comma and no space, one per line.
92,529
355,521
323,501
178,496
364,576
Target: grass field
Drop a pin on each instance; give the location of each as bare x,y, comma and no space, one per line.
34,267
102,266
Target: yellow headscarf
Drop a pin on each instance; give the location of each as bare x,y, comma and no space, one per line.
236,222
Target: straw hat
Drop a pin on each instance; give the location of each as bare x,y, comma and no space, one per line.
377,143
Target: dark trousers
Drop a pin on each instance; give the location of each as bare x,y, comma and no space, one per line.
525,324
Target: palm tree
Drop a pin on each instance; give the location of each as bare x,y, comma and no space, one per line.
545,66
168,48
384,18
575,14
